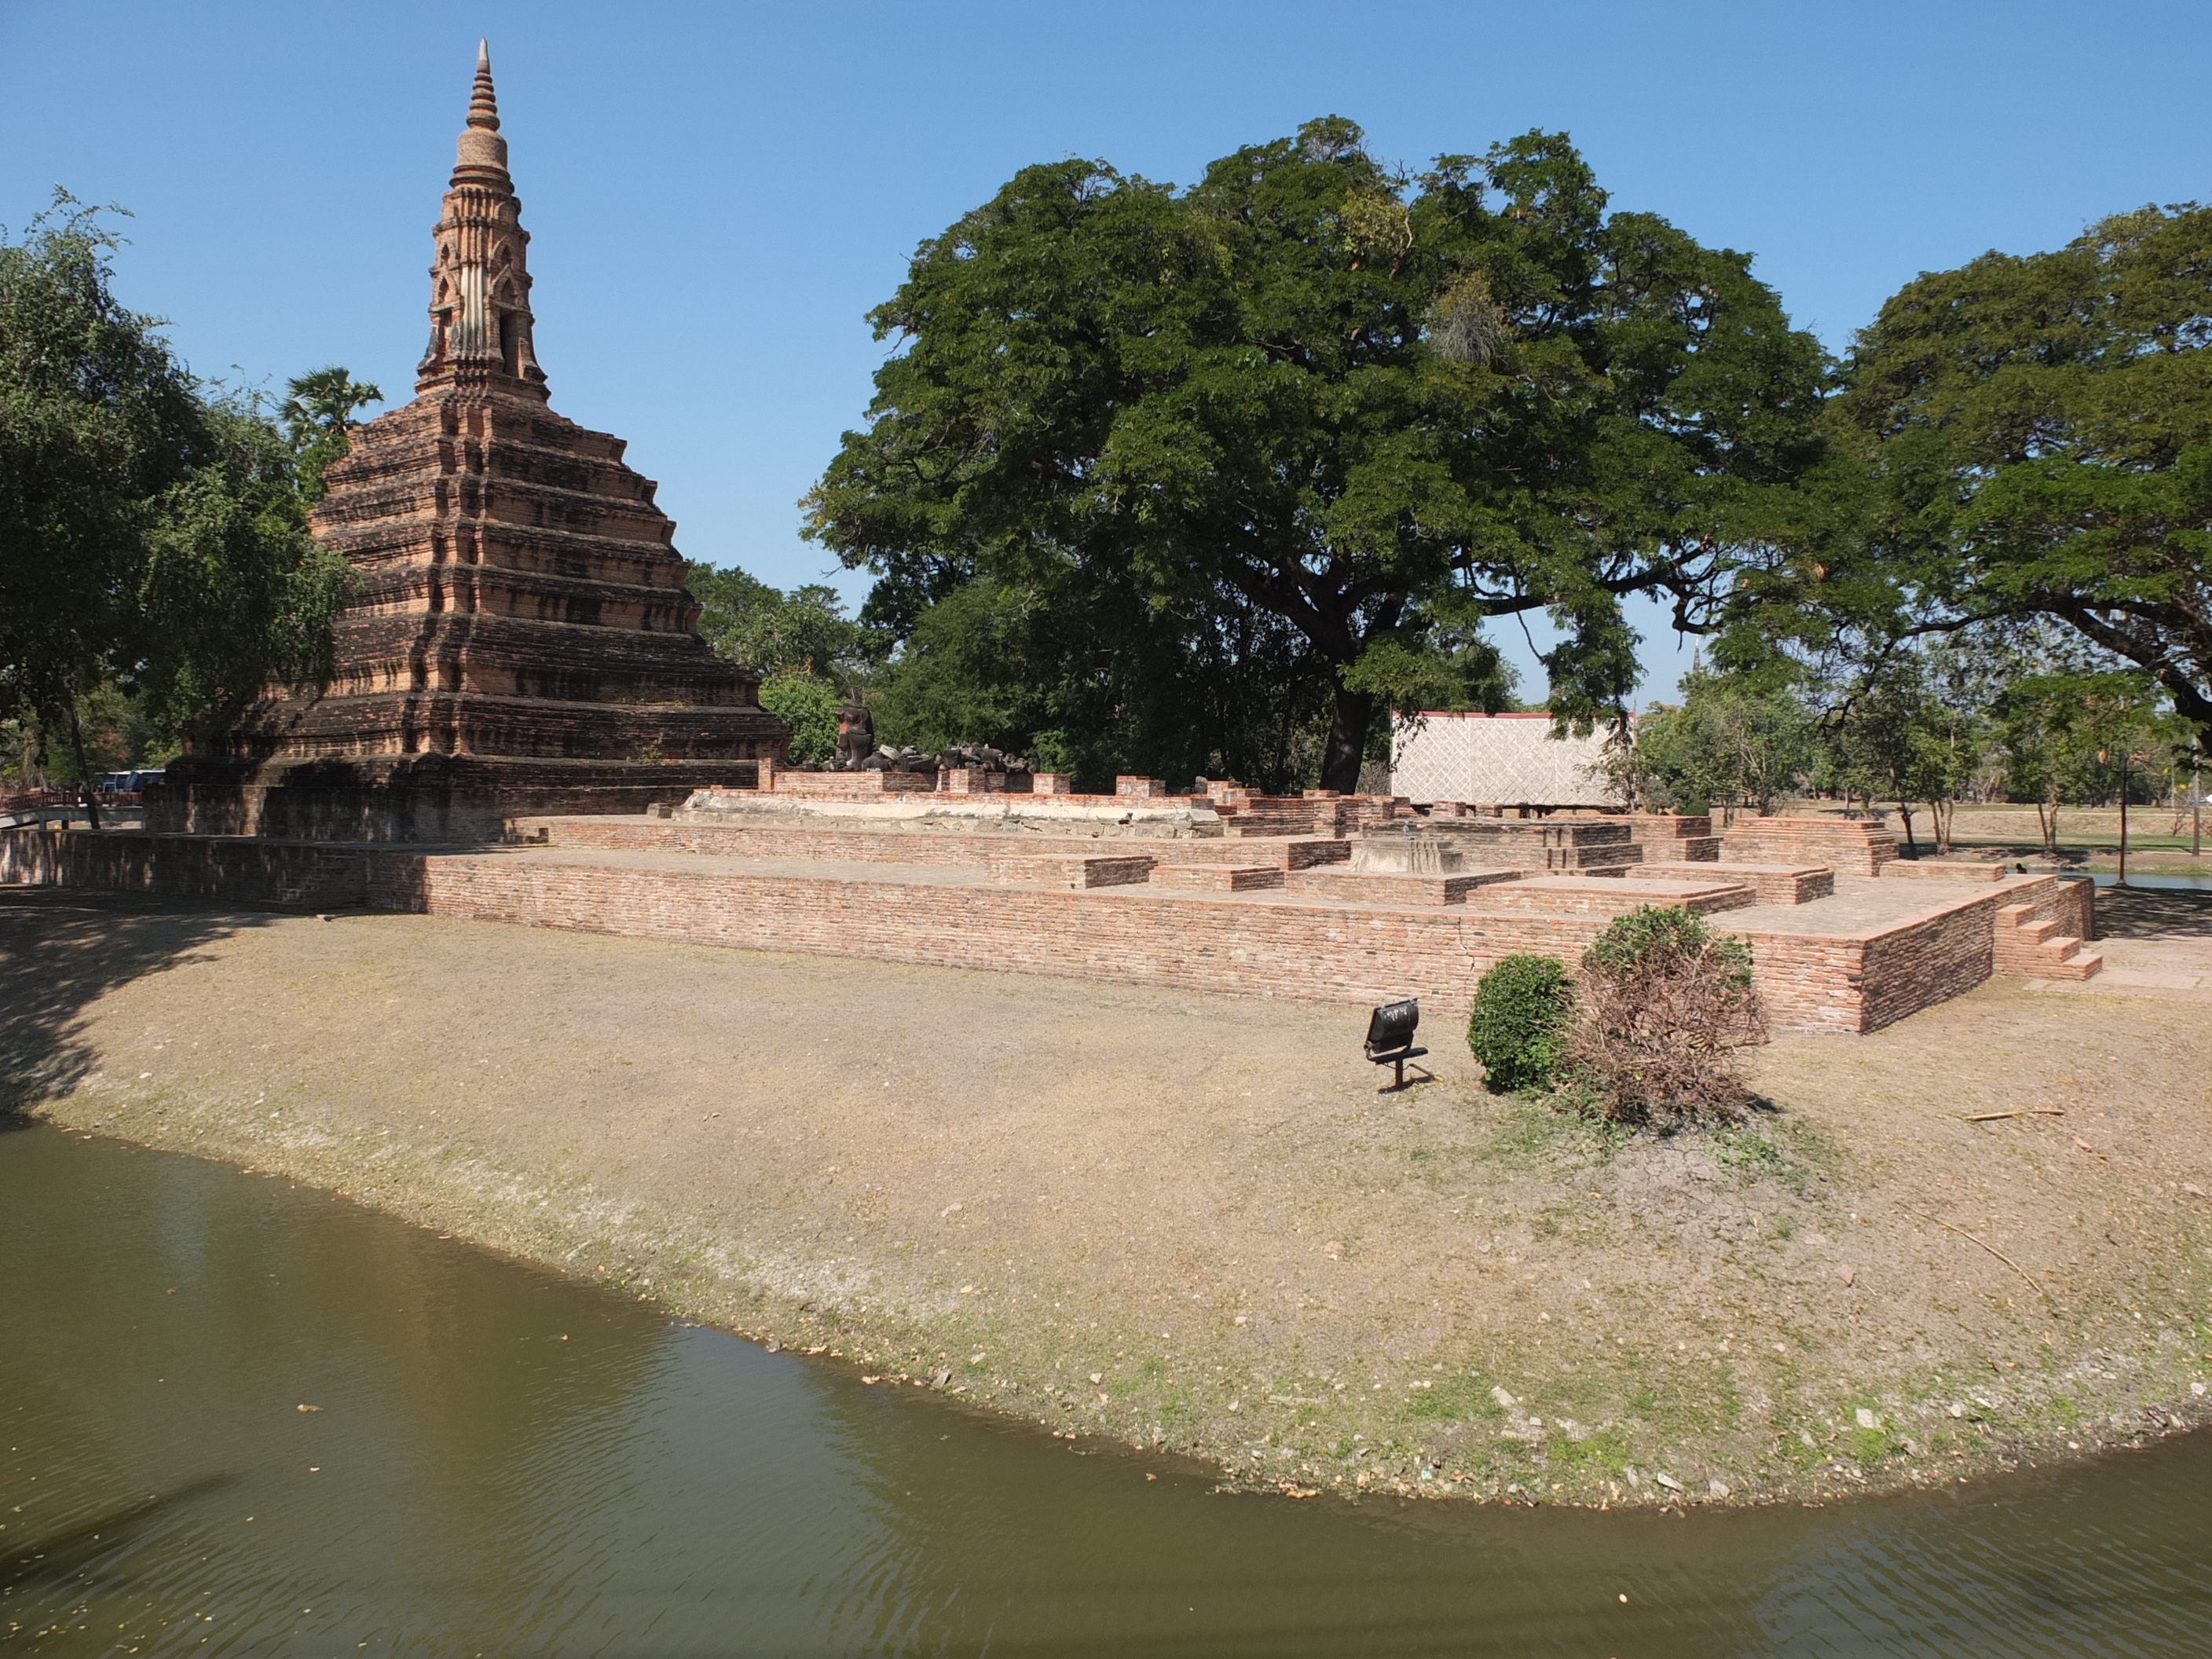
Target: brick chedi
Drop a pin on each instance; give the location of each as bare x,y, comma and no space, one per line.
518,638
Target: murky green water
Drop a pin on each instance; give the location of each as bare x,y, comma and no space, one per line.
505,1463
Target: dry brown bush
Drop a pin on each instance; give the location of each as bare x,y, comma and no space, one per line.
1662,1007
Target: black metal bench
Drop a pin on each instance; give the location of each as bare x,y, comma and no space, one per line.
1390,1030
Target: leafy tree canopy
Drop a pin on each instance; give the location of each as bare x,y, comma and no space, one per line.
1340,411
804,631
1728,743
2035,439
150,537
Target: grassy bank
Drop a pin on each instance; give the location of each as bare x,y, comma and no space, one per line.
1190,1222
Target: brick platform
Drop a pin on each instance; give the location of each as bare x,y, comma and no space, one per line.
1775,884
1850,847
916,845
1873,953
1603,895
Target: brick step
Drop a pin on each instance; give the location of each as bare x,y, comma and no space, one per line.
1943,870
2034,946
2086,966
1218,877
1392,887
1051,870
1605,896
1285,851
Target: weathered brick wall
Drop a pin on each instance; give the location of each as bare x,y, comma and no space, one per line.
246,870
971,849
1049,871
1809,982
1311,952
1929,963
1388,887
1943,870
1850,847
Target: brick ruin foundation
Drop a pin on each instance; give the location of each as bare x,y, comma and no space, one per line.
1321,898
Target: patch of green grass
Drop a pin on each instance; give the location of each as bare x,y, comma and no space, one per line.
1868,1445
1453,1398
1544,1130
1607,1450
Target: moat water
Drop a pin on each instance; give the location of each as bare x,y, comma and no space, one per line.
502,1462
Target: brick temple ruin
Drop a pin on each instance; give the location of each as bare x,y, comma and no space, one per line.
519,638
1321,897
521,679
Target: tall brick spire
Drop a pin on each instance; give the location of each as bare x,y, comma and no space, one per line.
480,320
518,638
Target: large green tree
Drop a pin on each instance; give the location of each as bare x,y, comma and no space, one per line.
150,538
1335,407
2036,434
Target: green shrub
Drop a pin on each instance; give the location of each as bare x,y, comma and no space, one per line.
1522,1010
808,704
1662,1008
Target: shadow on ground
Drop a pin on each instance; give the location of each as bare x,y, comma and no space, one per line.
60,950
2154,912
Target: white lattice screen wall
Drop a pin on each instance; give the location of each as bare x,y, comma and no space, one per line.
1500,760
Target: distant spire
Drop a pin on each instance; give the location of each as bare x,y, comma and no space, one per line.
483,102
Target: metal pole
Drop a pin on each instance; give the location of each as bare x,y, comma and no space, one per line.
2123,818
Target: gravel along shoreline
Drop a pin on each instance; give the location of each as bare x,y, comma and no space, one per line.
1189,1224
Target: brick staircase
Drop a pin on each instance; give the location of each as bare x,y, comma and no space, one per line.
2034,947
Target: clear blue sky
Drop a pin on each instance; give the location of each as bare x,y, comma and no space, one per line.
718,192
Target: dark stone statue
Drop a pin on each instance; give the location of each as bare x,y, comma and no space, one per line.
856,736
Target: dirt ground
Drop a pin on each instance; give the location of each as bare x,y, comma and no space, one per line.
1192,1222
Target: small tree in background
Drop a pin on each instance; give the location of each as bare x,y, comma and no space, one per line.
1524,1008
317,414
1730,744
811,655
1899,736
1662,1006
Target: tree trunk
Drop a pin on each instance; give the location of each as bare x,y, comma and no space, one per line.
1347,740
1905,811
85,792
